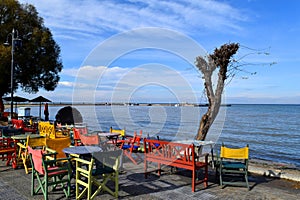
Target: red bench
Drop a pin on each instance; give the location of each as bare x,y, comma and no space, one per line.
8,151
175,155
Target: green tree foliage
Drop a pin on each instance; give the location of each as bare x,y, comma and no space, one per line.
37,62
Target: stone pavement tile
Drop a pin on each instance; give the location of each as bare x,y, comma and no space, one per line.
15,184
8,193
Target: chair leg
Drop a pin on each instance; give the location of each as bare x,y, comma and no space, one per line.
116,184
89,189
25,163
246,178
220,175
69,185
217,175
46,188
32,183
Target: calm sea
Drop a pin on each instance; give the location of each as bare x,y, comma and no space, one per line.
272,131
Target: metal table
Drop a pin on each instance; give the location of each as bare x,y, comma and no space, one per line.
82,150
24,136
113,137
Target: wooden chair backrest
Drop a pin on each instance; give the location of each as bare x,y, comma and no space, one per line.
89,139
170,153
37,159
119,131
235,153
137,138
58,144
77,131
46,129
84,166
108,159
36,142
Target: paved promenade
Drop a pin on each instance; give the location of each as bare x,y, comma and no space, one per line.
15,184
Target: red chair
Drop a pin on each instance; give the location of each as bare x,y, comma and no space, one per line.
8,151
19,123
76,135
131,147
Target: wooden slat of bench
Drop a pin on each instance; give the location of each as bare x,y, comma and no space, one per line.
173,164
11,150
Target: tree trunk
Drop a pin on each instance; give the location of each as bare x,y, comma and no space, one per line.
1,105
209,117
220,59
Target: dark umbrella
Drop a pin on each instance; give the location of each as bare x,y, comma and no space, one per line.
68,115
16,99
40,99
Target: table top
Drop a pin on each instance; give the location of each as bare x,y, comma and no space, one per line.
82,150
24,136
108,134
196,142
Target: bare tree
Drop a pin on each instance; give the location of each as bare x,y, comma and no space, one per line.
220,60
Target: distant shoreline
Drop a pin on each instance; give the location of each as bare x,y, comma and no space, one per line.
21,104
114,104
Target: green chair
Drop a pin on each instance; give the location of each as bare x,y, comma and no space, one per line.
48,173
107,168
234,162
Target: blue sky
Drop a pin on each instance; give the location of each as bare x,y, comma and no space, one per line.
142,51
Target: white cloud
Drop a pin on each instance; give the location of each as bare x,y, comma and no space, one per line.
88,18
122,84
66,84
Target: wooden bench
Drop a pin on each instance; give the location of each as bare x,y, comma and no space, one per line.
175,155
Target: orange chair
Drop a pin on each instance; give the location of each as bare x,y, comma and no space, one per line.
88,139
19,123
131,147
76,135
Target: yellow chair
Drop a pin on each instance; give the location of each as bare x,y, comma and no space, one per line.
48,130
84,169
58,144
44,128
122,132
107,168
23,150
234,161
